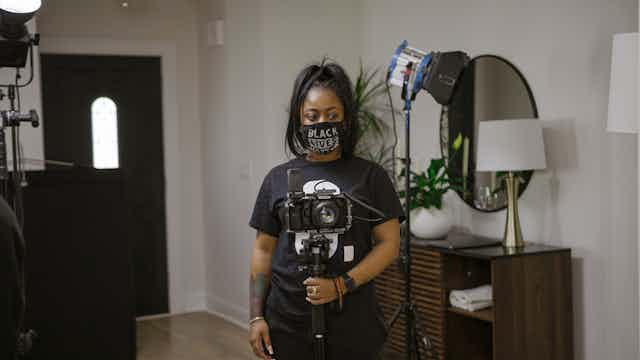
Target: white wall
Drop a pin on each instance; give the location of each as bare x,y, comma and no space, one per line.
166,28
244,109
586,200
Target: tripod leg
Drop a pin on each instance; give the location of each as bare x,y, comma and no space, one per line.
395,316
319,347
421,335
318,325
410,330
416,339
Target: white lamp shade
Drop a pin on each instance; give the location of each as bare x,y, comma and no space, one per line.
510,145
623,86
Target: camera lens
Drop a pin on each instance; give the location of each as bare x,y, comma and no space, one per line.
325,214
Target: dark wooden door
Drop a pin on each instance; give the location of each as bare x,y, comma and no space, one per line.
80,298
70,85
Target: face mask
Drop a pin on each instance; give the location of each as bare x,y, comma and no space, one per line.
322,138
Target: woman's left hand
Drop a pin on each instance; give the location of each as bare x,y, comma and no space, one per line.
320,290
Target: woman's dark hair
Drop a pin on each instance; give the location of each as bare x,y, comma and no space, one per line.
327,75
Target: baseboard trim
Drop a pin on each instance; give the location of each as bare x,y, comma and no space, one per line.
196,302
232,313
215,306
166,315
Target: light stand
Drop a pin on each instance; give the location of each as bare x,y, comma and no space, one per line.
414,334
15,44
437,73
11,119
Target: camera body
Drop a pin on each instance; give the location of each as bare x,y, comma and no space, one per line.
321,212
315,218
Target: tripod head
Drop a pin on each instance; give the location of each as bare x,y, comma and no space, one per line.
315,255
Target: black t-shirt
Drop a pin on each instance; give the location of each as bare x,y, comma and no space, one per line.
286,307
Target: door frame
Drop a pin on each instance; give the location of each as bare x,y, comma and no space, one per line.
179,297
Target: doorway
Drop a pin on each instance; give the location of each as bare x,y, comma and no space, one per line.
105,112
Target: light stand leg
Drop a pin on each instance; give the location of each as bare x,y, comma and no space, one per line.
408,313
4,171
413,337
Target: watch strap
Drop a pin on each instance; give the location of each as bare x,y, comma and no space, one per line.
349,283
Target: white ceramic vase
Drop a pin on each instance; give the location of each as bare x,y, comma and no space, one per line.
431,223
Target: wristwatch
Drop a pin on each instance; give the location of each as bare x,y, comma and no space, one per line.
349,283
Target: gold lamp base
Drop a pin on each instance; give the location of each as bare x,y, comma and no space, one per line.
512,231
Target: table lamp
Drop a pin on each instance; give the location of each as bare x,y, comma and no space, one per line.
511,145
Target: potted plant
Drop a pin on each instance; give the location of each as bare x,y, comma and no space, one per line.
431,215
372,106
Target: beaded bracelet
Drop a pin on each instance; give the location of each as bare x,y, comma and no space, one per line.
338,291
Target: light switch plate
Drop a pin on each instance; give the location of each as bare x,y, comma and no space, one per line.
215,32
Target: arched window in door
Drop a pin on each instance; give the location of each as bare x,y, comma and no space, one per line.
104,132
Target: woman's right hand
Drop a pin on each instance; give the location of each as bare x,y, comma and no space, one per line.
259,333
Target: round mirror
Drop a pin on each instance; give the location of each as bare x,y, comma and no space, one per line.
490,88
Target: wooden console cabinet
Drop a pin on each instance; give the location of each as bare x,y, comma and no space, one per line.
531,318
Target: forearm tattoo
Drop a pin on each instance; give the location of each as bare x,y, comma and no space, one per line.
258,286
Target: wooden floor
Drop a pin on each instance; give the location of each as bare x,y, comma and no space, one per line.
195,336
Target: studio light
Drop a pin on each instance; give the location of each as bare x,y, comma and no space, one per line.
15,40
21,6
436,72
412,62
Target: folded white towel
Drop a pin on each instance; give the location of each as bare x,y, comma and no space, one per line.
473,306
472,299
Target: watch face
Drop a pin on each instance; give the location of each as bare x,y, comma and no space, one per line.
349,282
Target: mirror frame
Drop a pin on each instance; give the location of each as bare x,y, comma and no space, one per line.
444,137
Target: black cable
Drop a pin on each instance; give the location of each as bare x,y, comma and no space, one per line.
365,219
357,201
18,77
32,72
18,166
361,203
20,175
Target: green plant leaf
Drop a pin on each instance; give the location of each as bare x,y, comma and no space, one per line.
434,168
457,142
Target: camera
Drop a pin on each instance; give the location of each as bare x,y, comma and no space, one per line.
313,221
320,212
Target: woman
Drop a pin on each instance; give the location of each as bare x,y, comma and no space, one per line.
320,133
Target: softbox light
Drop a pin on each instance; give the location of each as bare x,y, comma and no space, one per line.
15,40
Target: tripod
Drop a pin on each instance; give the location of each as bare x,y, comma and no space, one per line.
414,333
316,250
